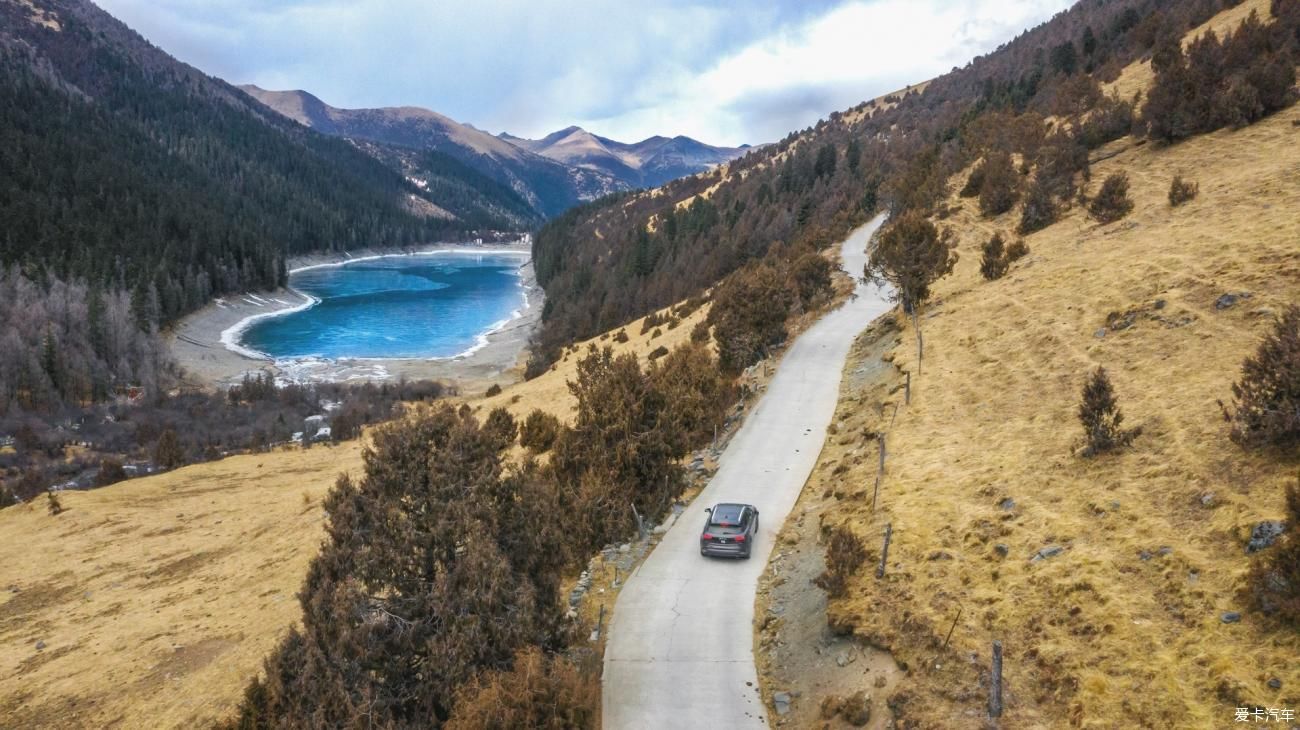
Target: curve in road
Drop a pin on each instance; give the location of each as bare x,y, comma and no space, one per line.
680,649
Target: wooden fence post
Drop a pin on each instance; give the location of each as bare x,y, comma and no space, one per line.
995,686
600,624
880,471
920,341
907,389
640,526
920,350
935,661
946,639
884,554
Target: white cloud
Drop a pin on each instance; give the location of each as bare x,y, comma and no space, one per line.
726,71
853,53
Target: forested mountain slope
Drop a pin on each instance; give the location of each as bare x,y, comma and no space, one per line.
1039,97
128,168
125,171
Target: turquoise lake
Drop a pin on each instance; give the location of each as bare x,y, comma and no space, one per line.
416,306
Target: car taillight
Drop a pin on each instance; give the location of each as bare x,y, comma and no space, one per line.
706,536
740,538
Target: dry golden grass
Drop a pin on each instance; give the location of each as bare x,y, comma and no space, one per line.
879,103
41,16
1096,636
158,598
550,391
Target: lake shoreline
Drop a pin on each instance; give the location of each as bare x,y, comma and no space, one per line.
205,344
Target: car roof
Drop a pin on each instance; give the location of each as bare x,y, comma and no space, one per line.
728,513
738,505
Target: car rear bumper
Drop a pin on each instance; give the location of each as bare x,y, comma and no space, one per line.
731,549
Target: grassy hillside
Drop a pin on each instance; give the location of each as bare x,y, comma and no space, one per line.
151,602
1123,627
157,599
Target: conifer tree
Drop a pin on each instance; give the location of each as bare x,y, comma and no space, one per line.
169,453
912,254
998,188
434,568
500,428
1266,400
1040,209
993,264
1101,418
52,503
1112,201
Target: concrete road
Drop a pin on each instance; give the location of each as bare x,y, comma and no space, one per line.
680,648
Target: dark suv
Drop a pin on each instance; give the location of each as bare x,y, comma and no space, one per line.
730,530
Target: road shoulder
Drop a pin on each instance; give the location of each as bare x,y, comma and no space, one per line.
807,668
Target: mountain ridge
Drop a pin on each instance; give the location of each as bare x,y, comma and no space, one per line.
562,169
648,163
548,186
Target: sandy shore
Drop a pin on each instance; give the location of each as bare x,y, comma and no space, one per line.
197,346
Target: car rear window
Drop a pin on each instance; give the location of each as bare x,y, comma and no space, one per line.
727,515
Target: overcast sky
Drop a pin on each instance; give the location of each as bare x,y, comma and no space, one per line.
724,72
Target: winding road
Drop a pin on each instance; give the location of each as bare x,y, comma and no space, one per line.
680,648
